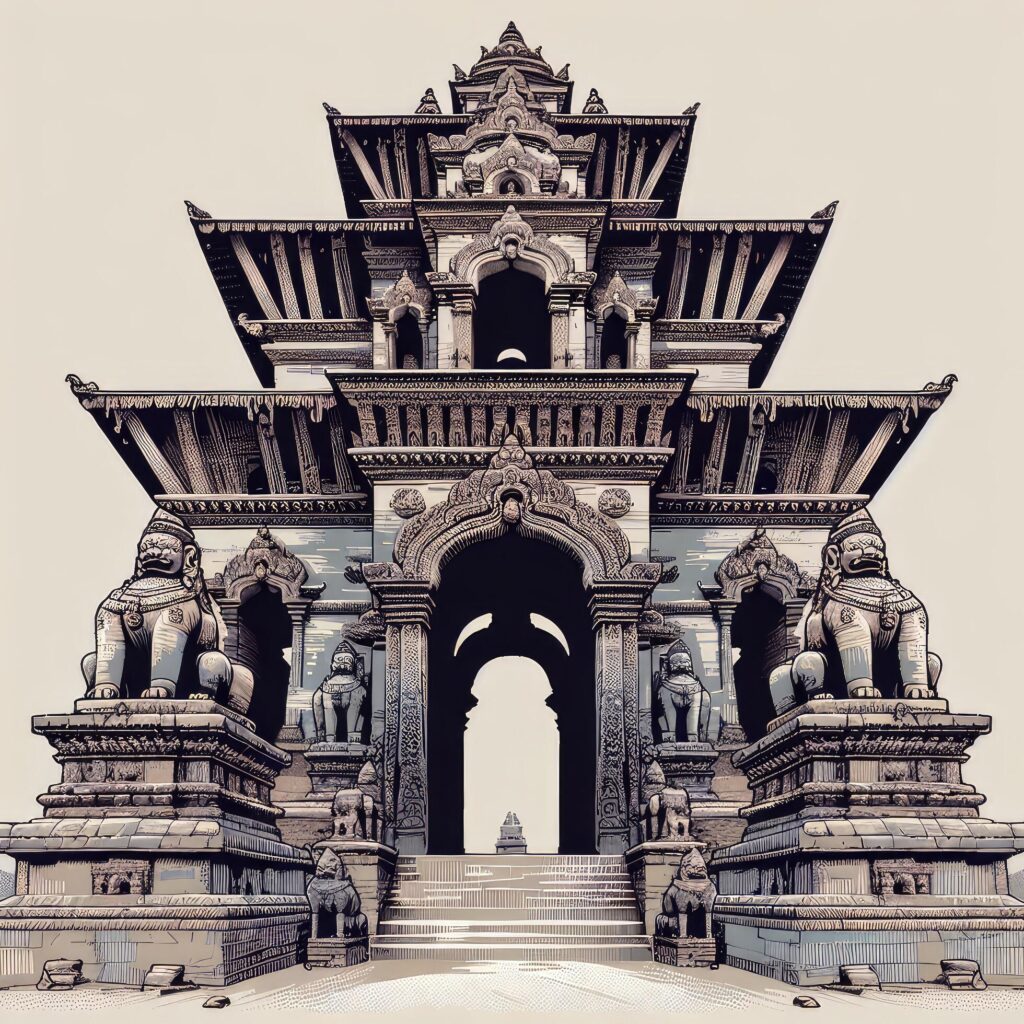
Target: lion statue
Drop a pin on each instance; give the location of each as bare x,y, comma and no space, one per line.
681,697
866,635
335,906
687,902
157,635
339,702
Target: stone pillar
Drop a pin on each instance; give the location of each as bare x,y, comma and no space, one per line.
297,613
406,606
558,308
616,609
463,307
723,612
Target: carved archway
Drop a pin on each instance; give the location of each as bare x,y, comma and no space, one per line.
510,242
510,495
265,567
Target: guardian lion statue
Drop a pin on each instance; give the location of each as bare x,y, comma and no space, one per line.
157,635
866,635
339,702
330,892
681,697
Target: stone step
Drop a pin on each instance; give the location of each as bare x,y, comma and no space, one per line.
456,929
420,910
382,948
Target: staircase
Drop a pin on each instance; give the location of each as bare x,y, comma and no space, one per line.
511,907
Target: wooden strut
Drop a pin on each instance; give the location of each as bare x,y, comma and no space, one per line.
284,276
771,271
365,168
309,281
707,306
255,278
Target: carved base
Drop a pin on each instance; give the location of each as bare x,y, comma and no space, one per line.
336,952
689,766
683,952
334,766
159,845
218,939
862,836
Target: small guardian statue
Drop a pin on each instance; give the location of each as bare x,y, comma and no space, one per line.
334,902
685,706
157,635
339,702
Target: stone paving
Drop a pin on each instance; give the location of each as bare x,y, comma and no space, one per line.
429,991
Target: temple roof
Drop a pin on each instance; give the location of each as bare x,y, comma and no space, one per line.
511,55
804,457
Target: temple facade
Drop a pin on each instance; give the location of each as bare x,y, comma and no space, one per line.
513,405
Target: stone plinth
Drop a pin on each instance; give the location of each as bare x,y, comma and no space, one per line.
865,846
689,766
334,766
158,845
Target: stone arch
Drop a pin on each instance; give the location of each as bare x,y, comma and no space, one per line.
511,496
511,239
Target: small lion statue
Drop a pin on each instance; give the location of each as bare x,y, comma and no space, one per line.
687,902
681,697
664,810
866,635
156,635
339,702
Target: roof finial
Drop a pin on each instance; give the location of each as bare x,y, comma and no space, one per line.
511,32
428,104
594,104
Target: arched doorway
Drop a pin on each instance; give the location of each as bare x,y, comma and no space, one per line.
613,343
759,631
262,636
408,343
511,325
502,578
511,758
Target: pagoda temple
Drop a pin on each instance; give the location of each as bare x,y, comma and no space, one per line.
513,405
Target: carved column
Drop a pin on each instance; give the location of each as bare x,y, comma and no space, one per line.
406,606
297,613
463,307
723,612
616,609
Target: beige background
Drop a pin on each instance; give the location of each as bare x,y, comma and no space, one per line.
114,112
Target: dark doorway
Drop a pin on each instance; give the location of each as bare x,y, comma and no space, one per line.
263,634
509,578
613,343
759,631
408,344
511,325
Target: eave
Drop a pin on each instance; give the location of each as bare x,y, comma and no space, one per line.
734,270
795,457
311,274
233,457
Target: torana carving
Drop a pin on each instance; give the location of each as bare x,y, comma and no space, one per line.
265,559
510,494
758,560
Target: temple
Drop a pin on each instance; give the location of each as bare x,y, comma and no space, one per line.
512,405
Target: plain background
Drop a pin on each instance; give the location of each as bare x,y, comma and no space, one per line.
907,112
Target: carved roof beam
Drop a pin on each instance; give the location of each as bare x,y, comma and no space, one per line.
707,306
309,281
795,464
362,162
662,161
343,278
161,467
752,445
284,276
824,477
253,274
680,275
870,454
191,452
739,273
714,460
270,451
757,299
309,468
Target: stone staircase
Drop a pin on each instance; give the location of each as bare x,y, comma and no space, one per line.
511,907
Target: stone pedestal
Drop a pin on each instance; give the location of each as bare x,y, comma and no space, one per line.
689,766
652,866
864,846
159,845
334,766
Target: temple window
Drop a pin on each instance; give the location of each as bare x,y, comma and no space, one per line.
511,325
408,344
613,343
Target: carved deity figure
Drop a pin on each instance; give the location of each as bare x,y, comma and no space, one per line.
156,635
866,635
339,702
331,892
681,697
686,905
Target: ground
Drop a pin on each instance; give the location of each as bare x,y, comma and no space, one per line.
432,990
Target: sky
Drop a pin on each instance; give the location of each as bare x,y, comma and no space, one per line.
114,113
